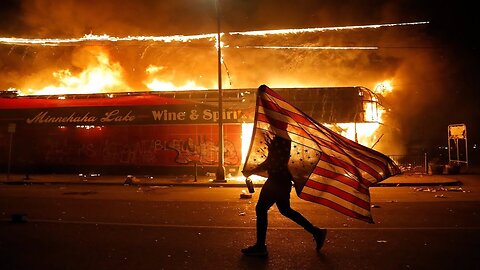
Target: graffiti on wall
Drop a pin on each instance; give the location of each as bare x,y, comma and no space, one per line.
127,146
205,152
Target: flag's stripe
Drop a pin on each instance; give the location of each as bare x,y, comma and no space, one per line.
297,135
344,196
348,165
333,191
339,165
269,91
352,164
373,157
372,167
286,134
277,121
292,112
325,170
331,174
276,103
361,192
352,160
357,150
276,118
331,158
294,133
355,162
337,200
335,206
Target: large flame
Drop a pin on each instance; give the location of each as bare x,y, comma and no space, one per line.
154,83
363,133
373,112
99,75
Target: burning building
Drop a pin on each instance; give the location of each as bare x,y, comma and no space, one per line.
168,132
70,115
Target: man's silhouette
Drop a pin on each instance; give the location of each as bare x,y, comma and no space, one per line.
276,190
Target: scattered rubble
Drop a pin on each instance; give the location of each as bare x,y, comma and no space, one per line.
430,189
458,189
245,195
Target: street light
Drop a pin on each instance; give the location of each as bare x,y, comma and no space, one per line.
220,174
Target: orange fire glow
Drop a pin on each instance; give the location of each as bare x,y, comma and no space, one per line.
363,133
373,112
155,84
102,75
99,75
383,88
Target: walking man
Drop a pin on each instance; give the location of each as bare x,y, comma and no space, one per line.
276,190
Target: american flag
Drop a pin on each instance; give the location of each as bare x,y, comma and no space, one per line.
327,168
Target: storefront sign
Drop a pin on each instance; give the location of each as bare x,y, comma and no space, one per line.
124,115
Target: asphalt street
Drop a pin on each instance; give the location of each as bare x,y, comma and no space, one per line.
199,227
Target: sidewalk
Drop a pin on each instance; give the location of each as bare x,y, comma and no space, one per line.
208,181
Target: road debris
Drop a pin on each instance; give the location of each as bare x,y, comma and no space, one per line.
245,195
456,189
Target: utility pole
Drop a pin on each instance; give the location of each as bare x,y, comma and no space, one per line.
220,174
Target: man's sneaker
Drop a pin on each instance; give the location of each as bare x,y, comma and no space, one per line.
319,236
256,250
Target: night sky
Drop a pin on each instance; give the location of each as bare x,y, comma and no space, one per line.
433,66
